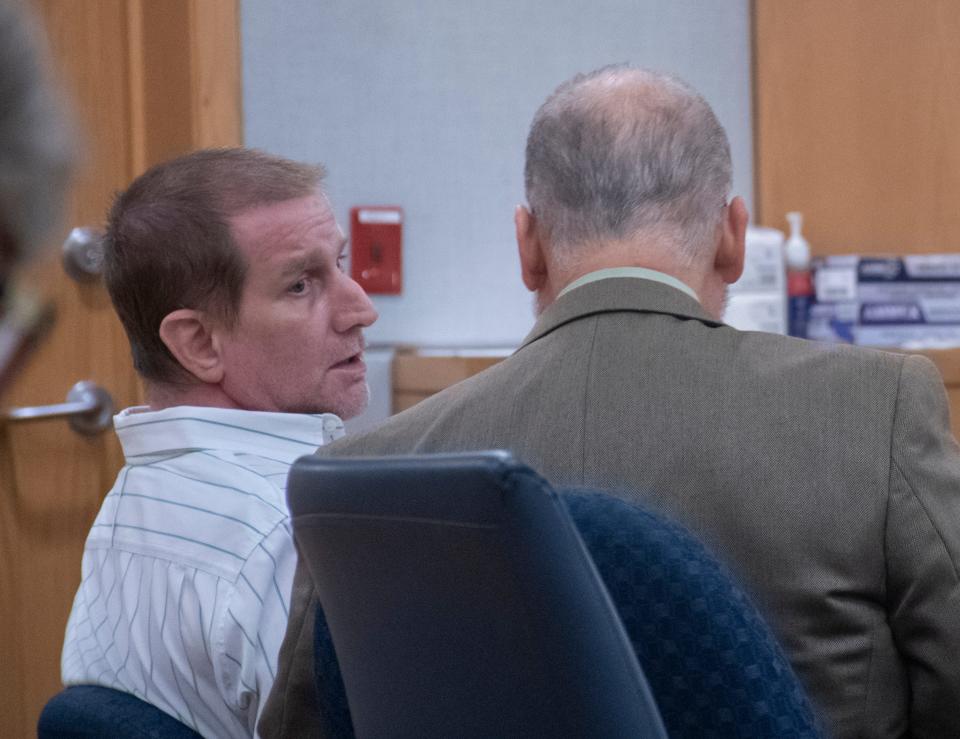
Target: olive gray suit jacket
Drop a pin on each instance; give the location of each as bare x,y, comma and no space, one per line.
826,476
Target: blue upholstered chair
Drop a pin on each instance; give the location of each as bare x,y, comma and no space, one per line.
713,664
96,712
369,531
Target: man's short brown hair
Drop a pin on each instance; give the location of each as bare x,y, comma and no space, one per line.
169,246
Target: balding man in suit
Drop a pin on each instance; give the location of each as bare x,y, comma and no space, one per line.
826,476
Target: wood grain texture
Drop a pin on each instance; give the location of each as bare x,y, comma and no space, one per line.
216,82
857,112
185,77
130,68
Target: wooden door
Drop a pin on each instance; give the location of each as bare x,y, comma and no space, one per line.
147,80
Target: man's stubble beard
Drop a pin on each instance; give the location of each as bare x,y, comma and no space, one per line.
360,406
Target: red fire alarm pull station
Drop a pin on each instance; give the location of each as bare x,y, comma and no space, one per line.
376,236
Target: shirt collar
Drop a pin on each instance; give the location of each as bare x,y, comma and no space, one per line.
641,273
616,295
281,436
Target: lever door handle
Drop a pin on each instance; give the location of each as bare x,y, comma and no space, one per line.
88,410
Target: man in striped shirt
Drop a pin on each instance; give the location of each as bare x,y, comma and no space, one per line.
225,269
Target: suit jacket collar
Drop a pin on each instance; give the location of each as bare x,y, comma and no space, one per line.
614,295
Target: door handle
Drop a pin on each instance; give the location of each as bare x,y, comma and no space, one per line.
88,410
83,254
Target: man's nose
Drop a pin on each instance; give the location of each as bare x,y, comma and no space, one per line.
356,308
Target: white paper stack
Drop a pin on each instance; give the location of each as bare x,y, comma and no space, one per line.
757,301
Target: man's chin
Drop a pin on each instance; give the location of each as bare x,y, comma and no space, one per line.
345,403
351,403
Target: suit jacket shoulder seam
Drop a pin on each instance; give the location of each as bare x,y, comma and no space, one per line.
895,464
933,525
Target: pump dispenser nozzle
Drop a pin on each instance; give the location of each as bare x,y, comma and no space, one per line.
797,248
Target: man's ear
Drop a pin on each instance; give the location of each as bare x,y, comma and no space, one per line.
728,262
189,336
533,265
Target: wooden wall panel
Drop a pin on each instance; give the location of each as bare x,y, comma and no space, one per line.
857,109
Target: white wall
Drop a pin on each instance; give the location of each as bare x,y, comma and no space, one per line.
426,105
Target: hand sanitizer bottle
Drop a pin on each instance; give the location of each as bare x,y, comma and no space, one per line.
799,282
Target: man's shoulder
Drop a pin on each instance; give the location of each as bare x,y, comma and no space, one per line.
753,359
452,407
397,433
784,372
677,336
801,353
206,509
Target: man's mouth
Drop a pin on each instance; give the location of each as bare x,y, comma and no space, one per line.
354,360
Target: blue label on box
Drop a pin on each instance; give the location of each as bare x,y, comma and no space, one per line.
912,268
891,313
880,270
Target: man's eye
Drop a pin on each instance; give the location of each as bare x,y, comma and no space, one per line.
298,287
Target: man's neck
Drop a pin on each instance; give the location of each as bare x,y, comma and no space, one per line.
204,395
614,255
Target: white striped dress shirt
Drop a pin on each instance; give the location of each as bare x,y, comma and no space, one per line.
188,568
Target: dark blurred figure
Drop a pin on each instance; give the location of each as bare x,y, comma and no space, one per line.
35,164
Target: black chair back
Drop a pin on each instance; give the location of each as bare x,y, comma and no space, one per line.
461,601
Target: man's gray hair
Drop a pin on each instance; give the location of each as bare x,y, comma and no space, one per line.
623,150
36,142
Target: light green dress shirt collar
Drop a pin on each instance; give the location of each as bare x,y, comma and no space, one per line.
641,273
